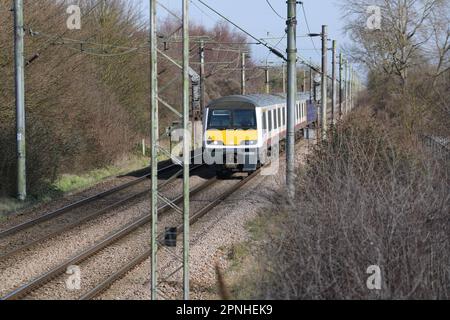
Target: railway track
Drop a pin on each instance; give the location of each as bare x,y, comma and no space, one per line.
32,288
108,282
95,249
27,234
117,236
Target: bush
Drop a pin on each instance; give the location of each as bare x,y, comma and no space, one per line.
367,197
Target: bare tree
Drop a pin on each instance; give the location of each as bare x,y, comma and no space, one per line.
412,32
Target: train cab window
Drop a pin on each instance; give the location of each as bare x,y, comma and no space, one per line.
279,117
232,119
219,119
244,119
270,120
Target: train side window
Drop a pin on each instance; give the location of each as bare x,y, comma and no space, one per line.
264,123
270,120
279,117
296,111
274,118
284,116
301,111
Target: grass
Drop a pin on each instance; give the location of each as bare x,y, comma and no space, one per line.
241,258
257,227
244,268
238,252
8,205
69,183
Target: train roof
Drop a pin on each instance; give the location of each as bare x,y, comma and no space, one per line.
259,100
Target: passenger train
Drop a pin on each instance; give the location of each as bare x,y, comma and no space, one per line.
238,131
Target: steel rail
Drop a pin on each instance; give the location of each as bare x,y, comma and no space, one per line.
77,204
87,253
85,219
107,283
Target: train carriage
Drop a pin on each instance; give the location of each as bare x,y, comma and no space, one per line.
239,130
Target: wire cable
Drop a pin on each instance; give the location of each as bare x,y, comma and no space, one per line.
49,41
309,29
275,11
265,44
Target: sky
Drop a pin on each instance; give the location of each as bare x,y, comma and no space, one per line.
256,17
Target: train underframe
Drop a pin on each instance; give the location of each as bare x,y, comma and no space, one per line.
247,160
229,161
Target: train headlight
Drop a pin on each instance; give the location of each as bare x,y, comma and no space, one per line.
250,142
214,142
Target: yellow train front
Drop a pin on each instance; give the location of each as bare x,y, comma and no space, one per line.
240,130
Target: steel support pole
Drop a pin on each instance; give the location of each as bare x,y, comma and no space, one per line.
311,83
202,75
351,88
154,148
340,84
243,84
20,99
267,76
186,149
333,85
344,78
349,81
291,95
324,85
349,99
304,81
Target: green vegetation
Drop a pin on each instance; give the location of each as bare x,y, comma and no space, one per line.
70,183
243,267
10,205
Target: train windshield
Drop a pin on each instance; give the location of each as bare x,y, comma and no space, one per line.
244,119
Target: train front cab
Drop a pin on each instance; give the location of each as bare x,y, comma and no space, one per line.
231,137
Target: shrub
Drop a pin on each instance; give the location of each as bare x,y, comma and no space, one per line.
367,197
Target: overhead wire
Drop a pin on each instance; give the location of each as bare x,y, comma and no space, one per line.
49,43
307,26
275,11
259,41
